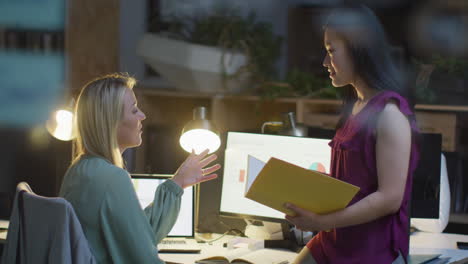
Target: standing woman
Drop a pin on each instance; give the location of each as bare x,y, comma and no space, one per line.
108,122
374,148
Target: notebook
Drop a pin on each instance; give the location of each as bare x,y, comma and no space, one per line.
181,238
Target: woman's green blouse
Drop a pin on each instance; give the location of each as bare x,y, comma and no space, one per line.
117,229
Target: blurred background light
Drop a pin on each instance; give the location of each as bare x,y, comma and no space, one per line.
30,85
440,27
60,125
33,14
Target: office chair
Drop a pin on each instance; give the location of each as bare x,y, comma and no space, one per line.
44,230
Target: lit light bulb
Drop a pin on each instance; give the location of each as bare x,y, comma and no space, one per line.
199,140
61,125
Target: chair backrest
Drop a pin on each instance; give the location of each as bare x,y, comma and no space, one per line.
44,230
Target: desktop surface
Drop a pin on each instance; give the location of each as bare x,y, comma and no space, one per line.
421,243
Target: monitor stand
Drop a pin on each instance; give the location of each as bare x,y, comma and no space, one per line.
263,230
274,235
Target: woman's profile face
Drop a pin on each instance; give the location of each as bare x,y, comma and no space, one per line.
337,60
130,128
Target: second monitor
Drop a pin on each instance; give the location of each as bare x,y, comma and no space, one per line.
314,153
310,153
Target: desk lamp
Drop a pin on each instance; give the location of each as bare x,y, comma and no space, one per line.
200,133
269,231
289,126
60,123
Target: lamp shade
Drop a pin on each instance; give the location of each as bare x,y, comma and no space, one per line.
291,127
288,127
200,133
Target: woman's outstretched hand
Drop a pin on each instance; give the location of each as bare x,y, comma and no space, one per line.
193,171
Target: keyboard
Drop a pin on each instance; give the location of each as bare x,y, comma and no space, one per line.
183,242
183,245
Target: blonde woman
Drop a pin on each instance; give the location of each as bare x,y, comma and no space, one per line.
108,122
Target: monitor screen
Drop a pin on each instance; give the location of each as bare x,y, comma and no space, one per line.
426,179
145,185
311,153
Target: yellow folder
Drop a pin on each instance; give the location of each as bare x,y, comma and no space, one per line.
279,182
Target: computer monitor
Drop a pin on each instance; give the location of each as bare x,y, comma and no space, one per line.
145,186
313,153
425,196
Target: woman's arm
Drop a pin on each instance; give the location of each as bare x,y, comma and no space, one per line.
164,210
393,149
129,236
162,213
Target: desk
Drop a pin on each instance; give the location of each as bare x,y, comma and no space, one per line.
216,248
438,243
420,243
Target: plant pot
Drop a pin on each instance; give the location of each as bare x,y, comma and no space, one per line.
193,67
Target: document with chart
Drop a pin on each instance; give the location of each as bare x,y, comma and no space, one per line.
308,153
277,182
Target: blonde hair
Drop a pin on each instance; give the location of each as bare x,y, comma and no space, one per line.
98,110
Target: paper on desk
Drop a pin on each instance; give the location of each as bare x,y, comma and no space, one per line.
453,254
244,255
268,256
422,258
4,223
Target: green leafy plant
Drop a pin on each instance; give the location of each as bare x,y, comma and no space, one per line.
436,65
232,32
451,65
299,83
226,29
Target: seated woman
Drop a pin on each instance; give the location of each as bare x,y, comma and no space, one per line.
108,122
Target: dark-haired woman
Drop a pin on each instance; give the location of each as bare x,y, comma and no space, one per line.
374,148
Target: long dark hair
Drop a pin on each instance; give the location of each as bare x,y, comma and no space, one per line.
369,50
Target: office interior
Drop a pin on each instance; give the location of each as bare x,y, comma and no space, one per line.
96,37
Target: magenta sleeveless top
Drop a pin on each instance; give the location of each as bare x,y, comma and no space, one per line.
354,161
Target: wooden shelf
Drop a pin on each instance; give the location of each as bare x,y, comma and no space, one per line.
169,92
239,112
442,108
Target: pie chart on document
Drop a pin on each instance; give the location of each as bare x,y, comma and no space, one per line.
317,166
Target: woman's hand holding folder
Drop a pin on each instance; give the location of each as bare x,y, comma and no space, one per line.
306,220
